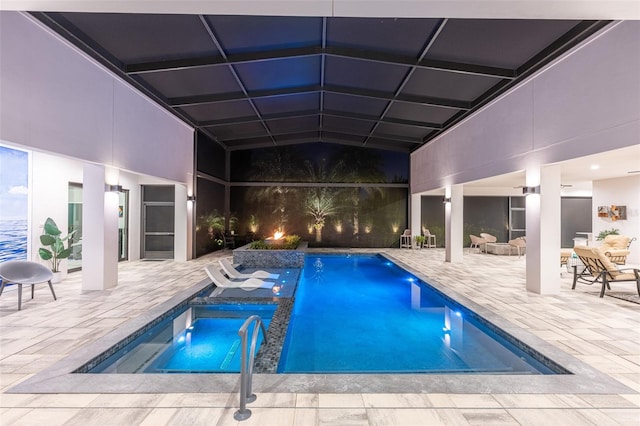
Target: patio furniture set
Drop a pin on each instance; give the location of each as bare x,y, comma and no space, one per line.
428,239
489,244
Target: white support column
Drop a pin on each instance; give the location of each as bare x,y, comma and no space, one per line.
453,224
543,230
99,229
191,209
416,214
181,227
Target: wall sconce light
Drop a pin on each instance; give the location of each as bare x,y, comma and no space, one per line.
191,198
446,200
528,190
112,188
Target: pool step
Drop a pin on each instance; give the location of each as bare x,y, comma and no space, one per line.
232,352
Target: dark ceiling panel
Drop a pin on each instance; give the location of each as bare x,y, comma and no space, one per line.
359,104
288,103
298,137
238,131
219,110
390,144
288,125
499,43
342,137
281,73
140,37
340,124
417,112
364,74
449,85
293,80
241,34
250,142
389,35
409,132
192,81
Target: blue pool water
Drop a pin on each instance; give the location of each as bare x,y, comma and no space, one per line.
351,314
201,340
361,313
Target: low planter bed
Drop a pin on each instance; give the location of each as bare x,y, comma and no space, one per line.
270,258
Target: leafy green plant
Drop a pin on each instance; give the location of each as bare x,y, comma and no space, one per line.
289,242
604,233
57,251
259,245
419,240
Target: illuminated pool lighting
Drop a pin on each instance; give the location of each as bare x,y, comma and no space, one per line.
458,314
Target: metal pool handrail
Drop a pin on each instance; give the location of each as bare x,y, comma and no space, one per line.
246,369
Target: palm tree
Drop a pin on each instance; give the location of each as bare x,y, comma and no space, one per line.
276,165
321,201
360,165
320,204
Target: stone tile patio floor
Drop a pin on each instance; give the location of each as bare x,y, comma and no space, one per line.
604,333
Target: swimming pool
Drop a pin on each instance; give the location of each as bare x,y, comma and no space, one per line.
197,339
70,374
352,314
364,314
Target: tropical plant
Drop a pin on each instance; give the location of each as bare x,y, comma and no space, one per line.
233,222
289,242
419,240
57,251
359,165
253,224
321,201
605,232
276,165
213,223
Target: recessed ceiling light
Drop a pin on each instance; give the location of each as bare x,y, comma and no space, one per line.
594,167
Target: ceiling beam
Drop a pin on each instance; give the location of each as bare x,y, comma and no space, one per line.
300,52
236,96
373,94
305,133
311,113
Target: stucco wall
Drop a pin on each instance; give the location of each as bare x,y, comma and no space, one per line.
55,99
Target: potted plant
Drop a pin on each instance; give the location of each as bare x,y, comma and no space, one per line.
603,234
56,250
419,241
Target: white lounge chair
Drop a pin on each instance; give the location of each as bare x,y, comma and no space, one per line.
234,274
222,283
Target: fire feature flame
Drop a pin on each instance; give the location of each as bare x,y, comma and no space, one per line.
277,235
